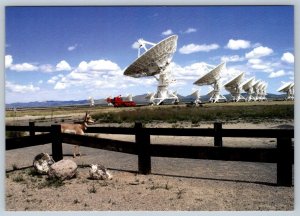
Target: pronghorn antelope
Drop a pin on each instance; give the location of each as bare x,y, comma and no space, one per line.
77,129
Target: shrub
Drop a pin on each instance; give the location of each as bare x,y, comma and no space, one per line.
210,112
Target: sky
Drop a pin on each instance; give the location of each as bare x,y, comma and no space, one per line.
72,53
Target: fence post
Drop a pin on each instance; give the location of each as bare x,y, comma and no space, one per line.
218,134
142,140
56,136
284,162
31,129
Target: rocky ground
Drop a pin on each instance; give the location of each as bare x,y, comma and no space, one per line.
174,185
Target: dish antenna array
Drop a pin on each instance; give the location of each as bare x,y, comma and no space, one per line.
213,78
289,89
235,88
196,95
256,90
263,91
155,62
92,101
247,86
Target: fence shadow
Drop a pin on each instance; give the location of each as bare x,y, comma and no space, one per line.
282,155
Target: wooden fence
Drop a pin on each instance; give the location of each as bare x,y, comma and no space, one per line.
283,154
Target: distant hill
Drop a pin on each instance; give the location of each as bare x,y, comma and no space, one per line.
139,99
48,103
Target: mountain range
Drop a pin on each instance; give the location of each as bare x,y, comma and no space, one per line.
139,99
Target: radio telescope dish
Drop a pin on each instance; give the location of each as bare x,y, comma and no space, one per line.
247,86
256,90
129,97
92,101
263,91
156,61
196,95
210,93
287,88
213,78
259,91
234,87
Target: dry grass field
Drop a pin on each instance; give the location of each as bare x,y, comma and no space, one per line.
174,185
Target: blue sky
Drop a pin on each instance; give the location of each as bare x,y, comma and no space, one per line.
71,53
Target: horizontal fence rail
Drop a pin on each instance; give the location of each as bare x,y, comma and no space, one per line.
283,154
27,141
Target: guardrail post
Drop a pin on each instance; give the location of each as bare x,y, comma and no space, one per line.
31,129
142,140
56,136
284,162
218,134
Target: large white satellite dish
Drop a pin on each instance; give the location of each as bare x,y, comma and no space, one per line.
288,88
196,95
234,87
156,61
92,101
256,90
213,78
263,91
247,86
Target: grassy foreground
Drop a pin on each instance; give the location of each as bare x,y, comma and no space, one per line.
254,112
244,111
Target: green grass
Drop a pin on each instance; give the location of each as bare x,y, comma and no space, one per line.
209,112
248,111
51,182
14,134
18,178
92,189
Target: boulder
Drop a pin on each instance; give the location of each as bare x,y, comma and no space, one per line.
42,163
63,169
99,172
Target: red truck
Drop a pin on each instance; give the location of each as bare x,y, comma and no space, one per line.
119,102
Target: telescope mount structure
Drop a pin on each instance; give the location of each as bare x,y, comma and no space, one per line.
155,62
213,78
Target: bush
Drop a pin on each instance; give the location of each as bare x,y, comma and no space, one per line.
209,112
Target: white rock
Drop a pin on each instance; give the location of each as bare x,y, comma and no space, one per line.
63,169
42,163
99,172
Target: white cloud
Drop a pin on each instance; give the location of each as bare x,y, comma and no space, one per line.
167,32
135,45
190,72
54,79
73,47
238,44
97,73
8,61
258,64
254,61
63,66
40,82
259,52
47,68
60,86
16,88
24,67
19,67
288,57
234,58
277,74
192,48
103,65
190,30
